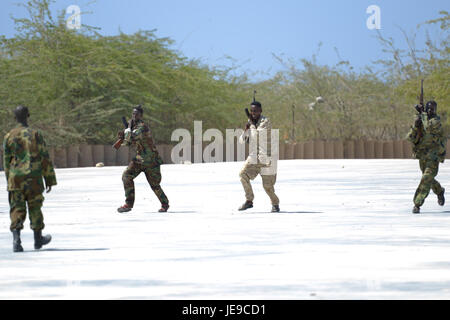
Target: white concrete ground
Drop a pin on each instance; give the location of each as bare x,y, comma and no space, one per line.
345,232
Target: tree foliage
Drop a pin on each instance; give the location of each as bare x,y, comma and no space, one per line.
78,84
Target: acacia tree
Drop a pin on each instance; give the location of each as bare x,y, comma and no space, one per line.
78,83
329,102
406,67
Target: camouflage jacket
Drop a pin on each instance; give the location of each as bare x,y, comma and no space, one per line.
429,142
141,138
26,156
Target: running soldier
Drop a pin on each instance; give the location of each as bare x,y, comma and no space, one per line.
429,146
261,159
147,160
26,161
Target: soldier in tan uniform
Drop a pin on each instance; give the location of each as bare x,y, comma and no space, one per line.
26,161
262,159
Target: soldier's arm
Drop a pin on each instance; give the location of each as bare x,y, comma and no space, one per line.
265,125
135,134
149,137
48,172
128,137
434,127
264,130
245,136
6,157
413,135
435,130
126,143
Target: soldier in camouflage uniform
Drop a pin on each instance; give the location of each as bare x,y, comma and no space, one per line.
147,160
261,160
26,161
429,146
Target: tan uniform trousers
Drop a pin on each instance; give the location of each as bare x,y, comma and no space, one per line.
249,172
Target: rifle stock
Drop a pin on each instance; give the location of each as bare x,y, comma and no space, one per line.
119,142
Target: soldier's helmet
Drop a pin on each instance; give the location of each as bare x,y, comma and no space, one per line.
431,106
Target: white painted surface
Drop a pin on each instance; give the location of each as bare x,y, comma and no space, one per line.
345,232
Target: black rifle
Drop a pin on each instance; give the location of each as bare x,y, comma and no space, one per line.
247,113
420,106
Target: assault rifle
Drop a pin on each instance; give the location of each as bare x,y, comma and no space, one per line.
246,109
120,141
420,108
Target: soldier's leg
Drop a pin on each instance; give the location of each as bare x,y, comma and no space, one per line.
249,172
35,213
422,164
268,184
132,171
429,172
437,189
154,179
35,202
435,185
35,199
18,209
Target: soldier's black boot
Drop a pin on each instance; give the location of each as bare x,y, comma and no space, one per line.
17,244
416,209
441,199
164,207
40,240
247,204
124,208
275,208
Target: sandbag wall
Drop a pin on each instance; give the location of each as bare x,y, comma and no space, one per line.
90,155
358,149
353,149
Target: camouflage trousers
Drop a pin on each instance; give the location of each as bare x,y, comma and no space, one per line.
249,172
153,175
429,171
31,195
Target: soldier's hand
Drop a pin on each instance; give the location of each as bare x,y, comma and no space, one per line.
419,108
418,122
121,135
49,188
